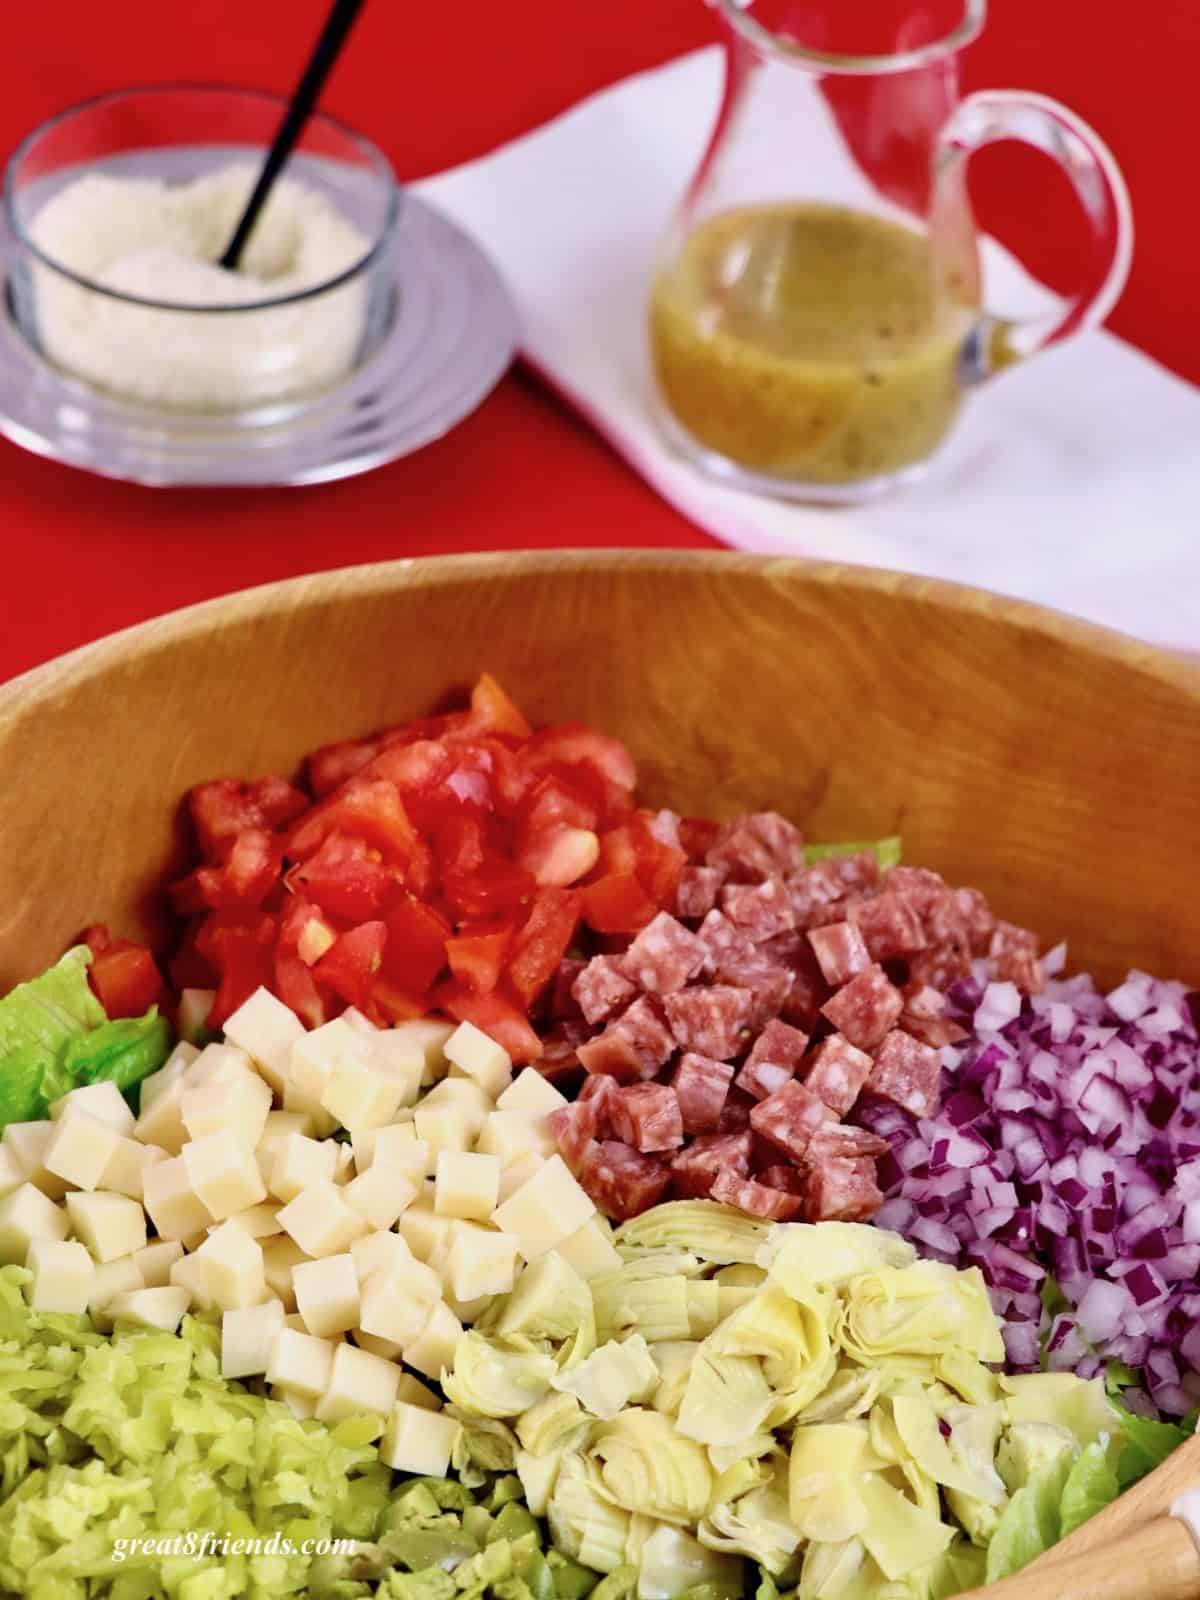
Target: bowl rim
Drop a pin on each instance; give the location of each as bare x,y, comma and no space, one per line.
41,684
373,154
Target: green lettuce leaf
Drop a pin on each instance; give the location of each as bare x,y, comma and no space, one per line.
1148,1443
122,1052
1056,1500
1091,1485
38,1020
887,851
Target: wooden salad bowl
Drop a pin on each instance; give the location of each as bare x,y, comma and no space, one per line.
1053,764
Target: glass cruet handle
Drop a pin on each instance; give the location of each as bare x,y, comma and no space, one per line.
1033,119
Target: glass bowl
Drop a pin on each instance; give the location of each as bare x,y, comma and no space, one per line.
195,350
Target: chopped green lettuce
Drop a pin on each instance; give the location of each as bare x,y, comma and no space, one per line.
887,851
1148,1442
123,1052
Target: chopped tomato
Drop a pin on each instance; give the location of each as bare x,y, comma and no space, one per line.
493,712
241,955
572,744
458,844
335,764
124,976
511,782
495,1014
633,848
250,873
415,768
220,811
543,941
387,1003
415,953
298,989
351,965
370,810
306,929
554,802
346,878
476,955
617,904
495,890
560,856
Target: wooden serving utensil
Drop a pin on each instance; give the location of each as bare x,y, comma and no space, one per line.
1134,1550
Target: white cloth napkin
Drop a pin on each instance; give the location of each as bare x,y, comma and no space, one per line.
1073,480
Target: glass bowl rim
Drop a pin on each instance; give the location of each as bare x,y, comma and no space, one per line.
375,158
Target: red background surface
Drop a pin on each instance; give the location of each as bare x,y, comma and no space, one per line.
436,85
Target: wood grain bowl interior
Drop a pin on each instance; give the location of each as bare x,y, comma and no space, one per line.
1052,764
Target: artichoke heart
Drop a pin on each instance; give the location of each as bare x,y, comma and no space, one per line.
494,1382
612,1377
913,1315
551,1301
829,1255
646,1465
713,1232
726,1400
585,1523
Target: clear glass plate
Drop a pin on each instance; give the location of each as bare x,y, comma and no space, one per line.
450,335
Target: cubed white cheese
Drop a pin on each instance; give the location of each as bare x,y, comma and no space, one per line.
104,1101
321,1222
223,1174
414,1393
397,1301
360,1384
313,1059
479,1262
590,1250
265,1028
237,1109
433,1349
191,1273
111,1225
80,1149
29,1142
63,1273
280,1257
387,1348
151,1308
397,1149
302,1406
300,1161
295,1322
510,1134
423,1230
360,1094
415,1440
125,1172
173,1205
154,1261
519,1172
402,1059
171,1071
429,1035
194,1007
380,1197
343,1164
377,1251
110,1279
530,1091
233,1267
466,1185
353,1018
475,1103
260,1222
218,1063
248,1336
443,1127
161,1119
544,1211
327,1294
300,1362
473,1054
12,1173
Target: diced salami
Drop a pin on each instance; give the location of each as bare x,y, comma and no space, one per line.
789,1118
574,1127
763,1078
941,966
603,988
1014,955
697,892
598,1089
979,919
647,1116
761,910
890,926
663,956
709,1020
924,1016
802,1006
559,1060
701,1085
840,951
756,847
735,1113
865,1008
767,984
857,871
915,882
755,1198
907,1073
789,1179
837,1073
845,1142
623,1182
693,1169
633,1047
779,1042
814,890
725,944
841,1191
